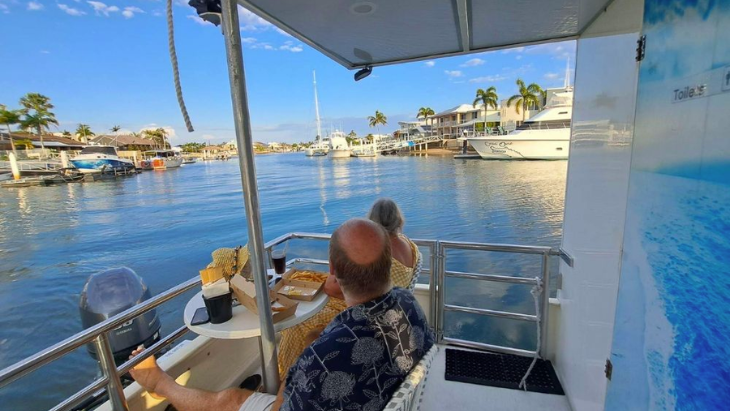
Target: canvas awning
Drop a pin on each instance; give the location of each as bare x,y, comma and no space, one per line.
378,32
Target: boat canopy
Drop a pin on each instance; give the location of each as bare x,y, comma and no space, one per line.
378,32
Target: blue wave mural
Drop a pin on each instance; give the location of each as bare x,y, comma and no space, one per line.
671,346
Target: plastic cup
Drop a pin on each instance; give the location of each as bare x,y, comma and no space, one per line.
278,257
220,308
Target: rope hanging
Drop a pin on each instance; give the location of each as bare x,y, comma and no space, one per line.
536,291
175,72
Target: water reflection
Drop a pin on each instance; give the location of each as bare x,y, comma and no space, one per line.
165,225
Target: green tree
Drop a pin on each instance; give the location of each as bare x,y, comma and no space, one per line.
377,119
83,132
425,112
488,98
25,142
38,115
10,117
66,133
158,135
527,96
115,129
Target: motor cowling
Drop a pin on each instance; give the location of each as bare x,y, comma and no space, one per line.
107,294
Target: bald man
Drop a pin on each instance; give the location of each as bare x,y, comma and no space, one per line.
358,361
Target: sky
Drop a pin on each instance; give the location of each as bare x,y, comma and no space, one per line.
107,63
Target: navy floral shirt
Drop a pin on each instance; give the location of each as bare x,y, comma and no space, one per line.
362,356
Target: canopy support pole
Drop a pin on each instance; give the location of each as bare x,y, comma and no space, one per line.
244,139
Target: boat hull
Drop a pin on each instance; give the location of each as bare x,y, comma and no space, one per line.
339,153
167,162
523,146
96,165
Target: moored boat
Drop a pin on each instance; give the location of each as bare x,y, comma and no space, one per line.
95,159
543,137
164,159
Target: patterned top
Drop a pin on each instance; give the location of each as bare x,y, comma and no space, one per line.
362,356
403,276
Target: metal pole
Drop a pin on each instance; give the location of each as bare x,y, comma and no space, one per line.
244,138
106,361
432,284
441,252
545,304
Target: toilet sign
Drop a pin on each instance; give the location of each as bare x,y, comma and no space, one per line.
726,79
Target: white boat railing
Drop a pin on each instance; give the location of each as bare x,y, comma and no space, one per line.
435,271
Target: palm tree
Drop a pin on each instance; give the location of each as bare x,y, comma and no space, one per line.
83,131
488,98
528,96
159,136
10,117
377,119
425,112
163,133
115,129
66,133
38,114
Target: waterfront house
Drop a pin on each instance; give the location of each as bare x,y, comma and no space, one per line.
124,142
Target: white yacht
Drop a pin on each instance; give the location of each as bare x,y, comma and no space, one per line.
95,159
339,148
638,319
546,136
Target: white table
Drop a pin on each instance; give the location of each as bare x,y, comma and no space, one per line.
244,323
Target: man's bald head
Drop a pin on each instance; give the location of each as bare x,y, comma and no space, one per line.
360,258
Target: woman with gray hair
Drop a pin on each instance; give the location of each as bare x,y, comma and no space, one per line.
406,258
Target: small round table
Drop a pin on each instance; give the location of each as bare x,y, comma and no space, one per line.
244,323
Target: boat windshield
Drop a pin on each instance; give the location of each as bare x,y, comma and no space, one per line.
111,151
544,125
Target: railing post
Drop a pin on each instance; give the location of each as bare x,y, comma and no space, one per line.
441,268
106,361
432,284
545,304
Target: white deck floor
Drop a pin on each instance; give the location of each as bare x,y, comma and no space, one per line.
439,394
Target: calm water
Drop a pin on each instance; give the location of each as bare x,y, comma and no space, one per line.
164,225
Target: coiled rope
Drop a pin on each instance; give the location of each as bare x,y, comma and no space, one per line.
175,72
536,291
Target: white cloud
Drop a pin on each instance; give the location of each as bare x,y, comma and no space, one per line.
101,8
129,12
70,10
473,62
45,52
488,79
453,73
289,46
551,76
248,40
251,22
282,32
4,9
34,6
518,57
198,20
429,63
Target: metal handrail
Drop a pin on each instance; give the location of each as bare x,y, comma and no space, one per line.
30,364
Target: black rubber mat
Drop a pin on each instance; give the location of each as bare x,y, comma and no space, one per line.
501,370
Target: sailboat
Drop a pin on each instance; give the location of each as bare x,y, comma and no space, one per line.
320,148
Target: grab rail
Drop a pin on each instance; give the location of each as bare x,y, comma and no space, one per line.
436,271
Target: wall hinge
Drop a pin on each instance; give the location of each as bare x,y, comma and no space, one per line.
609,369
641,48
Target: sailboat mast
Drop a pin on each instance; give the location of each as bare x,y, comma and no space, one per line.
567,73
316,108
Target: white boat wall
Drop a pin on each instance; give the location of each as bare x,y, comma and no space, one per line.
546,136
95,159
164,159
338,146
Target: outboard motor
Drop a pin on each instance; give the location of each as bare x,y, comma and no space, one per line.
110,292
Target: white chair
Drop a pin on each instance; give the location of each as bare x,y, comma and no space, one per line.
408,396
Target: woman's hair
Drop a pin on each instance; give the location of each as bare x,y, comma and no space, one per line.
386,213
